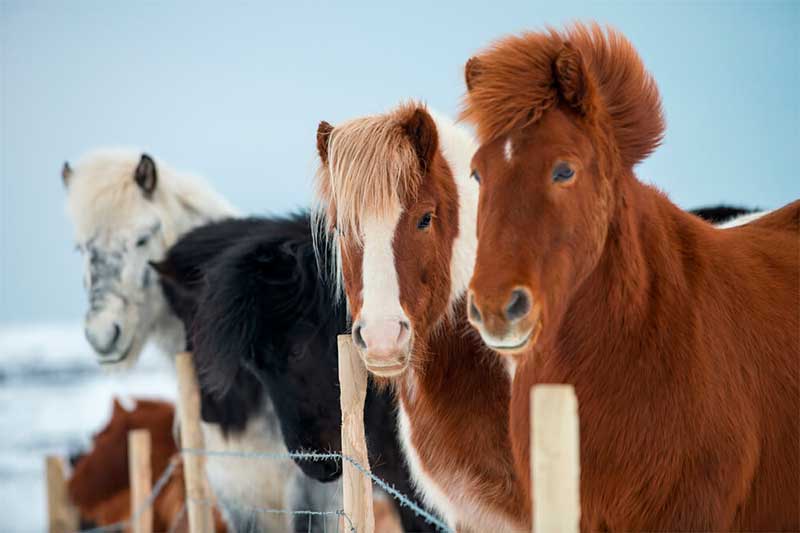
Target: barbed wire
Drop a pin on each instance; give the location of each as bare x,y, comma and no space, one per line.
148,503
401,498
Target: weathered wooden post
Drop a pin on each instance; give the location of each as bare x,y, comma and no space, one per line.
197,493
141,476
555,459
356,486
63,517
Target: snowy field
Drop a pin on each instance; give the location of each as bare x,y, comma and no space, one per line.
53,396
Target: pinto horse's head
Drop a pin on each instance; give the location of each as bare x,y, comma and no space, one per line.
111,198
391,202
562,117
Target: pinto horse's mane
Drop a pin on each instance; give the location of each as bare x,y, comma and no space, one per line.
513,82
103,193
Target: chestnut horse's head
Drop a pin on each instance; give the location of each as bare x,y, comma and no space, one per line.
390,199
562,118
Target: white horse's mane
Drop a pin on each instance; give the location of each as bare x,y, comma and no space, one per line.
103,193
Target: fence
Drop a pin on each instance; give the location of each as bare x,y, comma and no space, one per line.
555,466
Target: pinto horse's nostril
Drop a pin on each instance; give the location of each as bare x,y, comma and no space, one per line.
358,338
473,312
519,305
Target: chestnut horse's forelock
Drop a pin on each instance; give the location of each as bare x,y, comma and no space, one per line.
514,81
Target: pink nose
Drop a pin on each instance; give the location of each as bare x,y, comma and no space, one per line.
383,341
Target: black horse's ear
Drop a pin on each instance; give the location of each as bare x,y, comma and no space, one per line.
66,173
421,130
164,269
324,131
146,175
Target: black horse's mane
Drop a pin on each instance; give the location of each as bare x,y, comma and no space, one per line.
236,274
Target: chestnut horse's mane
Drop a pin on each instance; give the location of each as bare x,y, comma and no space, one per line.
514,81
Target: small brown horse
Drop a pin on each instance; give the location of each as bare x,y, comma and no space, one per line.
100,485
396,189
681,339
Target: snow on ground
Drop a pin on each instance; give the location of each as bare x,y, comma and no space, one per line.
53,396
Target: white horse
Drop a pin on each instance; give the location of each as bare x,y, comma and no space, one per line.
128,209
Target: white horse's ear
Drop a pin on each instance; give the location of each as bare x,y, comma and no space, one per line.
146,175
66,173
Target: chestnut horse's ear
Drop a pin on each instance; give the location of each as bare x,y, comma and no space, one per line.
66,173
117,409
421,130
324,131
573,80
471,72
146,175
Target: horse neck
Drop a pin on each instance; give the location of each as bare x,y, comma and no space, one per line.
190,202
450,355
640,281
457,147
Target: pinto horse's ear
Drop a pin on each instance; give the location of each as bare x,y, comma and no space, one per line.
471,72
573,80
66,173
324,131
146,175
421,130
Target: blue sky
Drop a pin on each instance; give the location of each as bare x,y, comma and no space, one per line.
234,91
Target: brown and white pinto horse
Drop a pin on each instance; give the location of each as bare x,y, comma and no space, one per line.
682,340
396,189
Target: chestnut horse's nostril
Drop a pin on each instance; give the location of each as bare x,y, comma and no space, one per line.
473,312
357,338
518,306
405,332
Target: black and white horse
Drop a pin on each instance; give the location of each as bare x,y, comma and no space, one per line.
255,305
128,209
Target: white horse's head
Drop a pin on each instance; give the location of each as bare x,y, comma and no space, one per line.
127,210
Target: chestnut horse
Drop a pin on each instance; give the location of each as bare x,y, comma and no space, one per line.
681,339
396,189
100,486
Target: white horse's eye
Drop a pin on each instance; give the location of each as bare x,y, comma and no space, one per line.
142,241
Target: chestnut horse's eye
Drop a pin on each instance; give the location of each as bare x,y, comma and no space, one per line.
476,176
562,173
425,221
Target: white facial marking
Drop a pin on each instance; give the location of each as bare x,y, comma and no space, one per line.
380,289
508,150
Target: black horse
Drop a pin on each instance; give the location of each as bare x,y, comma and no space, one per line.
257,308
718,214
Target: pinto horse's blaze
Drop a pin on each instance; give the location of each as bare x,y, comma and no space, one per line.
679,338
395,269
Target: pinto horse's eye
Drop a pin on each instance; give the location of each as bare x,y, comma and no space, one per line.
563,173
425,221
475,176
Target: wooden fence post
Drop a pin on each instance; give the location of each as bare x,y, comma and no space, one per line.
63,517
197,493
141,476
356,486
555,459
